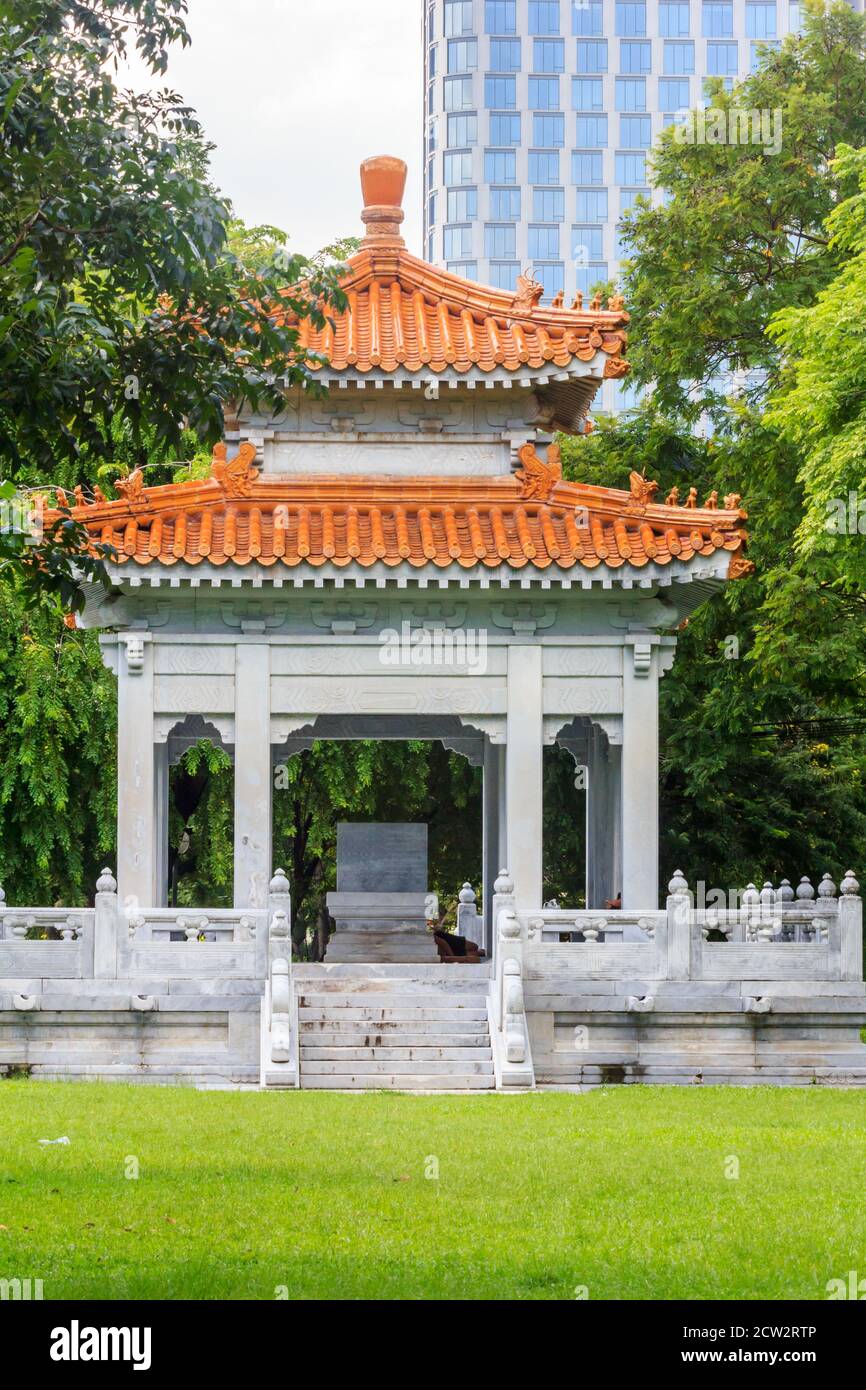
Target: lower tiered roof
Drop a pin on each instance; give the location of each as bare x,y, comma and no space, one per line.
533,518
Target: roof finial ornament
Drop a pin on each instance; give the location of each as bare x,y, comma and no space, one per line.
383,183
235,476
527,294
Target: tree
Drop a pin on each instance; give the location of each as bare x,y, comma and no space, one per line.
741,234
763,737
820,404
119,293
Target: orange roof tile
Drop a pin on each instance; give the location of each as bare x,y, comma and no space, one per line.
405,314
532,518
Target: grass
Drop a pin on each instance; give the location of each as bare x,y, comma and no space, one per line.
623,1191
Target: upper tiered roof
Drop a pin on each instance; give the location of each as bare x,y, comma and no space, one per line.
406,314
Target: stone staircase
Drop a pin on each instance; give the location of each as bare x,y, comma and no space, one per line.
397,1027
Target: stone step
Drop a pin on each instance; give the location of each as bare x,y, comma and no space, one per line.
469,980
392,1014
309,999
332,1037
365,1027
456,1081
395,1068
312,1052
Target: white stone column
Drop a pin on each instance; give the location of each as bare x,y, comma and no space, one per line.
523,773
135,772
493,848
161,806
640,773
253,775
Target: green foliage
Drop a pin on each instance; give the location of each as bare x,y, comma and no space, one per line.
762,771
119,293
201,827
413,781
742,233
57,756
820,406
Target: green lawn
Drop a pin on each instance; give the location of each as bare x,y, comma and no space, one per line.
623,1191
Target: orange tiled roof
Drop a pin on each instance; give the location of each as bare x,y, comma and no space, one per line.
404,313
532,518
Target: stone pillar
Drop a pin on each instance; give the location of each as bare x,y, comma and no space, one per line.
253,775
161,800
523,778
603,814
494,850
136,807
640,771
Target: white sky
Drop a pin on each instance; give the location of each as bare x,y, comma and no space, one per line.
294,94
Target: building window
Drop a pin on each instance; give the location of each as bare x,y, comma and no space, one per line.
592,55
548,205
500,242
629,168
462,130
674,93
587,244
592,204
635,133
628,198
544,17
551,276
587,18
458,94
592,130
544,93
673,19
503,275
630,18
457,167
505,55
548,55
630,93
431,210
467,270
462,55
760,21
462,204
505,128
500,93
544,166
458,17
718,19
500,17
587,94
679,57
500,166
548,130
635,57
431,61
456,242
543,243
588,276
587,166
758,52
722,59
505,204
794,16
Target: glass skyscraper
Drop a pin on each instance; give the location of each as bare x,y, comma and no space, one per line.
539,116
